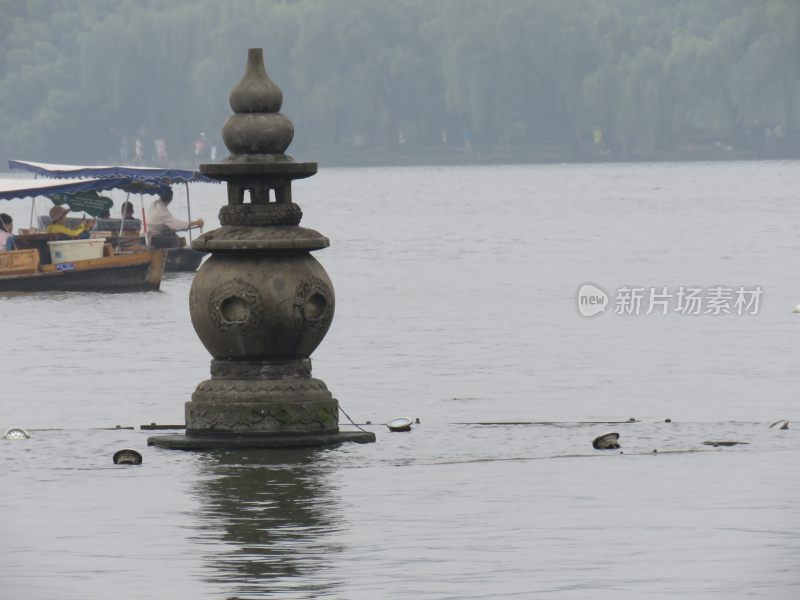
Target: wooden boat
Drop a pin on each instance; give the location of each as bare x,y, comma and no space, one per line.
183,260
124,235
50,262
29,269
133,180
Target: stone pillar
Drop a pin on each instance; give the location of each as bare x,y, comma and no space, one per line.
261,303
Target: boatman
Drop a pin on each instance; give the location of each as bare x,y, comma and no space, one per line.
163,225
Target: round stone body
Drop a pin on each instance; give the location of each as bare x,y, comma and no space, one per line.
261,306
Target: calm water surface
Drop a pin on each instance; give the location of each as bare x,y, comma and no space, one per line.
456,303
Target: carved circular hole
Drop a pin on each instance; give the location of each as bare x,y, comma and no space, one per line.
234,310
315,306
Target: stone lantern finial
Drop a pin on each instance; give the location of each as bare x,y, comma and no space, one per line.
256,128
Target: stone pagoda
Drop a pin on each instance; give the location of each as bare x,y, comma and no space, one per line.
260,303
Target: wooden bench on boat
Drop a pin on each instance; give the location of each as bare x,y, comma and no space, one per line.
20,262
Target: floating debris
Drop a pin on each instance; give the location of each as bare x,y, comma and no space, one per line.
155,427
594,455
782,424
16,433
667,420
400,424
607,441
546,422
716,443
127,456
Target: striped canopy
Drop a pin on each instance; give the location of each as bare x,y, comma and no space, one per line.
13,189
151,174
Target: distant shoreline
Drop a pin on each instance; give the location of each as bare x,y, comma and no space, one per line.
496,161
460,159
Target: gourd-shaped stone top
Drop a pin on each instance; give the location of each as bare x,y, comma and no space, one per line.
257,136
257,128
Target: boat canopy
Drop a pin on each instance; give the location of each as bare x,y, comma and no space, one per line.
133,180
12,189
152,174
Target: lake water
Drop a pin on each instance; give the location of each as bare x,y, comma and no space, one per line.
456,303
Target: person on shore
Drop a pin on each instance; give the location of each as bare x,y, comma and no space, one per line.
57,216
163,225
6,233
138,152
201,148
161,152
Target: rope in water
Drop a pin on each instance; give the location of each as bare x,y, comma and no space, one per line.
349,419
782,424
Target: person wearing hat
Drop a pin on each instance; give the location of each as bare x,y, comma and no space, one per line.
163,224
57,216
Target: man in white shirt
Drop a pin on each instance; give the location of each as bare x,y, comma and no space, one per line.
163,225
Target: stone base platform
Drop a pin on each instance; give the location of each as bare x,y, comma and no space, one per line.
271,441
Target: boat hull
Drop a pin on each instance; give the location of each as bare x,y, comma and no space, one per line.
183,259
138,272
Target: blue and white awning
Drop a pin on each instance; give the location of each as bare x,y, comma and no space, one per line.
152,174
17,189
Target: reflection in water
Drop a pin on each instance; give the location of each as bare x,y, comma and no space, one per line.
272,511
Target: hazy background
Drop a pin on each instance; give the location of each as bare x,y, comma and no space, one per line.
406,81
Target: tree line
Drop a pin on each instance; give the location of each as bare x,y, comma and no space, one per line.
365,81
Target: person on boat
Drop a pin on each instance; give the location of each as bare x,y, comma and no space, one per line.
6,232
130,224
57,216
163,225
127,211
